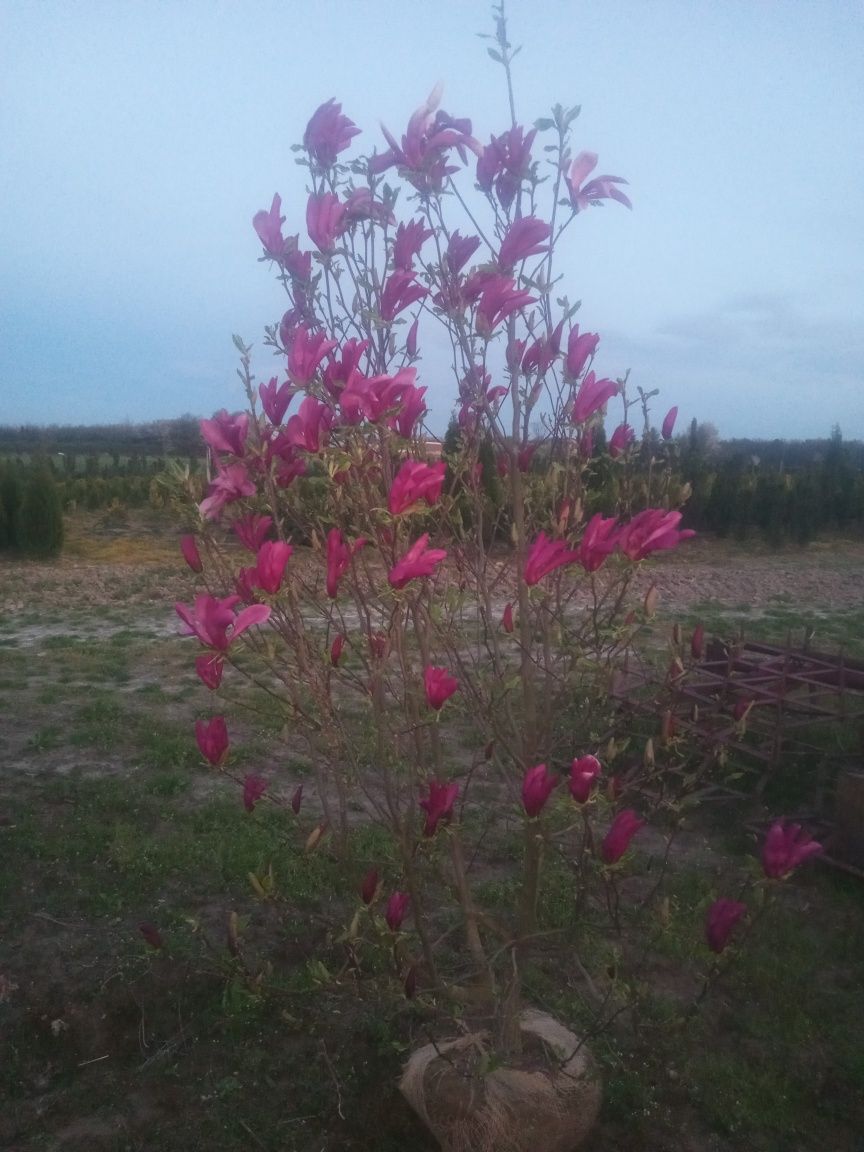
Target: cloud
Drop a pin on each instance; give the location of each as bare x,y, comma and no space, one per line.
756,365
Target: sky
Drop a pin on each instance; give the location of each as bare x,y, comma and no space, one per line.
138,139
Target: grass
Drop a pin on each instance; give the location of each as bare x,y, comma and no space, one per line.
792,1049
834,632
259,1061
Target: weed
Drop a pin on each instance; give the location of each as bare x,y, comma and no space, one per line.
46,739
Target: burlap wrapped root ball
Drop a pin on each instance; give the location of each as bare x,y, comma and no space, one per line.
546,1105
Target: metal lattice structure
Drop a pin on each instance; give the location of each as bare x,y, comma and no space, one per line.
762,701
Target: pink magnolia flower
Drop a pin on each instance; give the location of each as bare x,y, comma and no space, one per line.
336,650
669,423
209,669
306,352
289,322
620,440
499,299
438,805
460,249
600,188
288,469
299,266
543,353
376,398
310,428
226,432
214,623
622,830
384,394
413,482
379,645
504,164
189,548
652,531
254,787
786,846
325,220
507,618
418,561
369,886
268,225
275,398
328,133
341,371
523,238
212,738
361,205
246,585
227,486
592,396
251,530
352,400
411,409
339,556
422,153
537,787
401,290
580,349
408,241
411,338
525,456
273,556
397,909
599,540
440,686
722,917
584,772
742,708
513,354
697,642
545,556
297,799
151,935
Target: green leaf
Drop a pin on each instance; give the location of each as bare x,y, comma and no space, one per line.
496,56
544,124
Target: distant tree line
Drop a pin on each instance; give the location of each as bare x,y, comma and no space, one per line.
158,438
103,466
777,490
31,514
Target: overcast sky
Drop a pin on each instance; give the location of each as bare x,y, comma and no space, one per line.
137,139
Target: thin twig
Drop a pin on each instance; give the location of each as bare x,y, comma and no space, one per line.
53,920
246,1128
334,1078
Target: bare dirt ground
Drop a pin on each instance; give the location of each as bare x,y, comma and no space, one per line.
824,575
147,573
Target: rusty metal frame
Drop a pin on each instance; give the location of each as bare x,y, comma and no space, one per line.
791,689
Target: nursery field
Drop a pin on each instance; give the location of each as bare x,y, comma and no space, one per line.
245,1029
